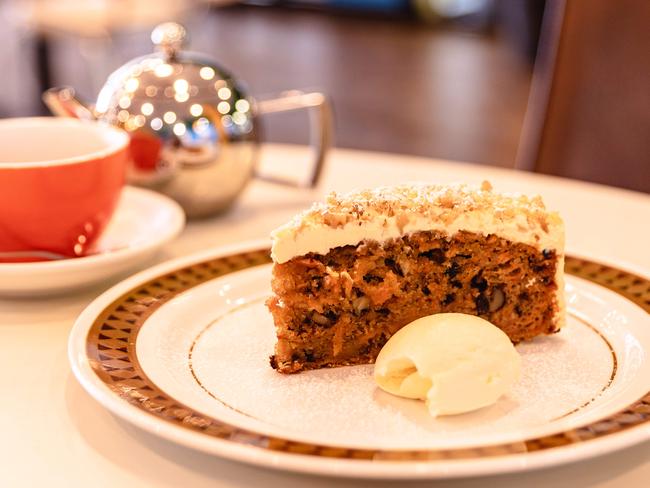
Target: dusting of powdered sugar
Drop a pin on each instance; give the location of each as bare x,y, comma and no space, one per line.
343,406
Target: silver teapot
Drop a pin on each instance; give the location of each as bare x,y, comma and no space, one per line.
194,129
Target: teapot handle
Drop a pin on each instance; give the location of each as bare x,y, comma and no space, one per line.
320,112
62,102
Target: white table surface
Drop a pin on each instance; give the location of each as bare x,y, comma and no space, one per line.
53,434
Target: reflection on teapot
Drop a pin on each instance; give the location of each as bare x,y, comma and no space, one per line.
194,130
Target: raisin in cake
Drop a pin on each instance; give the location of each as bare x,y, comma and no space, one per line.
350,272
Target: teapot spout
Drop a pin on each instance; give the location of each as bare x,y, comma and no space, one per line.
63,103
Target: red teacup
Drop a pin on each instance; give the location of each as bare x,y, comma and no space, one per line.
60,180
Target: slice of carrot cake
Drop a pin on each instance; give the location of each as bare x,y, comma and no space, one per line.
350,272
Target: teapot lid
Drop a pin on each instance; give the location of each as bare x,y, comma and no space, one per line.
169,38
171,88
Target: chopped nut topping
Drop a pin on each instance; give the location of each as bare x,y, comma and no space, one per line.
486,185
441,202
388,212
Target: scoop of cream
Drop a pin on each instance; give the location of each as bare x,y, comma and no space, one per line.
453,361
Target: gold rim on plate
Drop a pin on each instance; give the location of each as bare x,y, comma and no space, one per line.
111,351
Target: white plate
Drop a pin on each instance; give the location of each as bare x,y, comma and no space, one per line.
143,222
181,350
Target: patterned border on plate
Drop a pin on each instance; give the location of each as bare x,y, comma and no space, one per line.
111,352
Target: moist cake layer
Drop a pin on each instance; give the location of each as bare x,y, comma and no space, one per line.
340,307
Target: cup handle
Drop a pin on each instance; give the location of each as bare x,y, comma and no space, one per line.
320,118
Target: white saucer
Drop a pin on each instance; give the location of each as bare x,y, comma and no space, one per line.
143,222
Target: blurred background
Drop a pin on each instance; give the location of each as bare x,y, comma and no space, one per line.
559,87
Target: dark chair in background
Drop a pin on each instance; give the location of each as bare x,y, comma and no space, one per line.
589,111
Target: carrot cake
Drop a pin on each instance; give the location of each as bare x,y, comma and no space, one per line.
349,272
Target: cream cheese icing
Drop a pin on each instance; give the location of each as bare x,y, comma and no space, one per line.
391,212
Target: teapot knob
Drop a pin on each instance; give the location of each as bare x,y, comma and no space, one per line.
169,37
